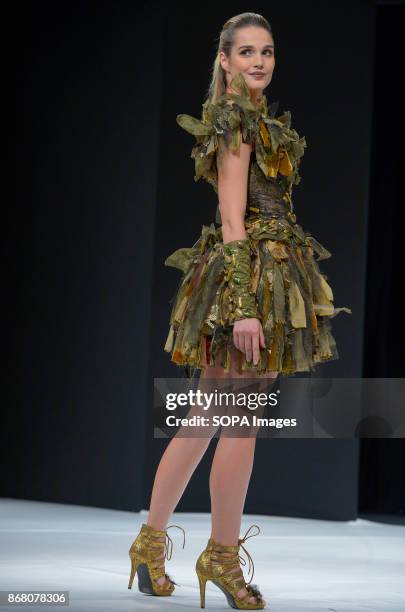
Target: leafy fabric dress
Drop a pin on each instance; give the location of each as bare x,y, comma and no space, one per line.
294,299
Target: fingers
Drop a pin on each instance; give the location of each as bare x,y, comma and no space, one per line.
262,340
249,343
256,349
249,340
252,348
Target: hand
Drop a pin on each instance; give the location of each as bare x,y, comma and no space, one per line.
248,337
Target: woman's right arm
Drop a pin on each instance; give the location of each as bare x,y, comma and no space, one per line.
233,172
233,169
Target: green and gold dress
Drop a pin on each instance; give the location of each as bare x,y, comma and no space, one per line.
293,298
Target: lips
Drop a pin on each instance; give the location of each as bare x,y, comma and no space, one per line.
257,73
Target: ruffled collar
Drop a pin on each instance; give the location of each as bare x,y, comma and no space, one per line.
278,146
238,84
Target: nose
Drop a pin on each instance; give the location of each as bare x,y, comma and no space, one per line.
258,62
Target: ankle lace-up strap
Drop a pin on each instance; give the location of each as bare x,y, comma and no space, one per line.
232,556
160,541
240,541
169,542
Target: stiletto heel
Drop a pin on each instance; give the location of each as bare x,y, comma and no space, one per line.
227,558
202,581
134,567
147,561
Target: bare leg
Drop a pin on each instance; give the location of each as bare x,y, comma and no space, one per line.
178,462
228,487
229,479
177,465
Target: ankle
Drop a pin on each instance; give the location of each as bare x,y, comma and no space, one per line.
156,526
221,542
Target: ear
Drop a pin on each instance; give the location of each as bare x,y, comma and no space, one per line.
223,60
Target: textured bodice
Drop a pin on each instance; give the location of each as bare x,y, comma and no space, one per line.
266,198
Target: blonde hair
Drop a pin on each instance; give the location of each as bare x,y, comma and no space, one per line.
218,84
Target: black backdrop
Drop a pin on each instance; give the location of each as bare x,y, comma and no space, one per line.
105,192
382,465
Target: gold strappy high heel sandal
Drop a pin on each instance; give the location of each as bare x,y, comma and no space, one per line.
144,553
219,573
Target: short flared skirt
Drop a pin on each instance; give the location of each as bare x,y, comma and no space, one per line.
294,299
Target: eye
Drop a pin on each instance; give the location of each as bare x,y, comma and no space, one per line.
268,51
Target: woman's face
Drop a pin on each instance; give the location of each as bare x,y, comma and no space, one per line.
252,51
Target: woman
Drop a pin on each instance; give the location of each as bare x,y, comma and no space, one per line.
251,303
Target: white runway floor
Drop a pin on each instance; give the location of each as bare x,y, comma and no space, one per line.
301,565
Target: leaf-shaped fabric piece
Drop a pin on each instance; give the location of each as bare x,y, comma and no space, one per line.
192,125
180,259
228,121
